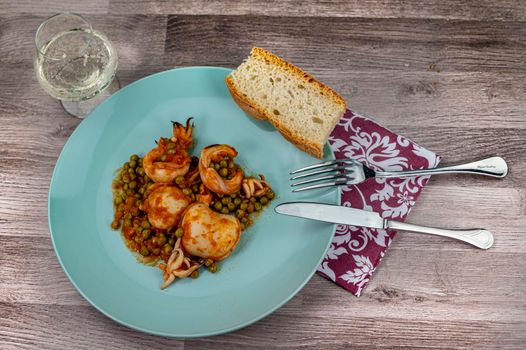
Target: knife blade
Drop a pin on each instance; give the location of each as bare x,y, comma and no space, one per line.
336,214
332,213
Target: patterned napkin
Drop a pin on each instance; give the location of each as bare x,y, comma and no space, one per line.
355,252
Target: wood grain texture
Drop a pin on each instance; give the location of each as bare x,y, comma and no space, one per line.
449,75
464,10
371,44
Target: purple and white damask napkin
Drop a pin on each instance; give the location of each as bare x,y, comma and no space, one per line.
355,252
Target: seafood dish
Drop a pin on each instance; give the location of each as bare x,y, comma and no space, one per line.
181,212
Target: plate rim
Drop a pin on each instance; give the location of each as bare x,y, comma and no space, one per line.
136,327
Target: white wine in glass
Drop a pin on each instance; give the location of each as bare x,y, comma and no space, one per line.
75,63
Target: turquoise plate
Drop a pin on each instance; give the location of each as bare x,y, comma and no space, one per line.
274,259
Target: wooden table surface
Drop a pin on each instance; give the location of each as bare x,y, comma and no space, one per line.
451,75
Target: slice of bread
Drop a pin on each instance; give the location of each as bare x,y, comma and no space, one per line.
304,110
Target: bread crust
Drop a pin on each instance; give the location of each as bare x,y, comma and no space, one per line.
257,112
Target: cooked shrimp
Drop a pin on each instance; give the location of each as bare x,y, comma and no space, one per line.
170,158
209,175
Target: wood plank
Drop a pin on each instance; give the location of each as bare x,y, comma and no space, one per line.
457,145
292,332
51,7
449,280
371,44
144,50
65,327
430,99
509,10
450,75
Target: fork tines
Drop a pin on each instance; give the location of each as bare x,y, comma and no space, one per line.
340,172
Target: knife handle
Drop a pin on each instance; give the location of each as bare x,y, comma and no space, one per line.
478,237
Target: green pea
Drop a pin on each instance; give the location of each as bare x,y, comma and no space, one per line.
195,274
223,172
240,213
208,262
132,184
253,200
187,191
118,200
226,200
171,241
179,180
140,171
156,251
161,240
145,224
270,195
218,205
179,232
213,268
243,226
223,164
126,166
127,216
126,179
133,164
195,188
138,203
167,248
225,210
141,190
244,220
131,171
263,200
216,166
130,192
250,208
163,158
137,239
144,251
258,206
134,157
146,234
243,206
231,206
171,145
133,176
231,165
237,201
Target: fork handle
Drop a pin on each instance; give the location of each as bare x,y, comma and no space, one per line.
494,167
478,237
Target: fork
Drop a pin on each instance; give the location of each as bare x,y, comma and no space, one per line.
351,172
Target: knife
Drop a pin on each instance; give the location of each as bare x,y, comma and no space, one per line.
336,214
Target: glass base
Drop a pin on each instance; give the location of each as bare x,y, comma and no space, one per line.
81,109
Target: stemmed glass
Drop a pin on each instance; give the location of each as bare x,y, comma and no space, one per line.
74,63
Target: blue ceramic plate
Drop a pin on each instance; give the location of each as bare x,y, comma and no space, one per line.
274,258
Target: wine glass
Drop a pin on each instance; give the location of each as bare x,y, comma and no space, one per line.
74,63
